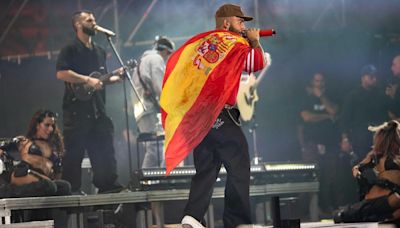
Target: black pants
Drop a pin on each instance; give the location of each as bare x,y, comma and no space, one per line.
225,145
96,137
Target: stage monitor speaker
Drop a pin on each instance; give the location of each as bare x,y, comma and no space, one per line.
263,173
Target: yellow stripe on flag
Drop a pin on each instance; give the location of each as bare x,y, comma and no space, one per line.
200,61
187,79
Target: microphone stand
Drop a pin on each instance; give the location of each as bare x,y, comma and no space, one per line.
129,78
252,129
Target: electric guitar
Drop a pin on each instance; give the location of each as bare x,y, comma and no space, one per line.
247,95
84,92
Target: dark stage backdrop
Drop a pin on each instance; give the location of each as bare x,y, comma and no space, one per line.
333,37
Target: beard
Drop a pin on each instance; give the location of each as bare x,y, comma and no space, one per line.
232,29
242,33
88,31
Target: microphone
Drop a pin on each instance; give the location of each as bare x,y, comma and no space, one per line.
267,32
104,30
263,33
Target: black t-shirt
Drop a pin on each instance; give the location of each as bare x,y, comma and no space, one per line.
394,104
363,108
77,57
321,132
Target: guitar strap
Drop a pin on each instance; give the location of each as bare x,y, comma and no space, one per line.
98,103
147,88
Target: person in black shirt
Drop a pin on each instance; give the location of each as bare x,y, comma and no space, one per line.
318,112
392,89
318,137
86,125
364,106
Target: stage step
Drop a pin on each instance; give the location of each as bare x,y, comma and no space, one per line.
36,224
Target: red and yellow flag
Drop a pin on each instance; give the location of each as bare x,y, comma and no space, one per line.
199,78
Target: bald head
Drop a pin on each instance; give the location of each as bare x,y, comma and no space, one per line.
396,66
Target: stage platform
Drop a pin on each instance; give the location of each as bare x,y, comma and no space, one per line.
80,203
347,225
36,224
329,224
314,225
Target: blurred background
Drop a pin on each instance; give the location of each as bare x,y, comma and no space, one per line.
335,37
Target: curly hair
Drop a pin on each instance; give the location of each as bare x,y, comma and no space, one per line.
387,141
56,140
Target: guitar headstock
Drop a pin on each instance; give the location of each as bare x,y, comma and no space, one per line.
130,64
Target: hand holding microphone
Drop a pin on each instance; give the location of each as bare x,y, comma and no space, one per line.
257,33
253,35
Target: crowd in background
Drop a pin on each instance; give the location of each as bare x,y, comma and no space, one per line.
335,134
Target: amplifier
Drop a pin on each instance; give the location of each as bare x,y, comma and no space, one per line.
263,173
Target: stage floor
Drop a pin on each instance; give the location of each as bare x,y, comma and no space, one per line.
312,225
331,224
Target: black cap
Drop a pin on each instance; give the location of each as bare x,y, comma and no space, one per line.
164,43
369,70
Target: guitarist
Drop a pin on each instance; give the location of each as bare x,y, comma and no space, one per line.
86,125
148,78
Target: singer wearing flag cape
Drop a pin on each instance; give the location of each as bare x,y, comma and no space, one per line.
198,113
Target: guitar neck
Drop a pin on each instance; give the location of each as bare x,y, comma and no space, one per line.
105,77
260,76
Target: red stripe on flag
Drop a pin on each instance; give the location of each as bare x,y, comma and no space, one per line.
197,122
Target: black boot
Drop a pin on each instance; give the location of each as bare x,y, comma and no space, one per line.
373,210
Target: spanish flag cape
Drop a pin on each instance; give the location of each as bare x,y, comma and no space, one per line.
199,78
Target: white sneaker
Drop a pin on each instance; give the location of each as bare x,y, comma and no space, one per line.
190,222
251,226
